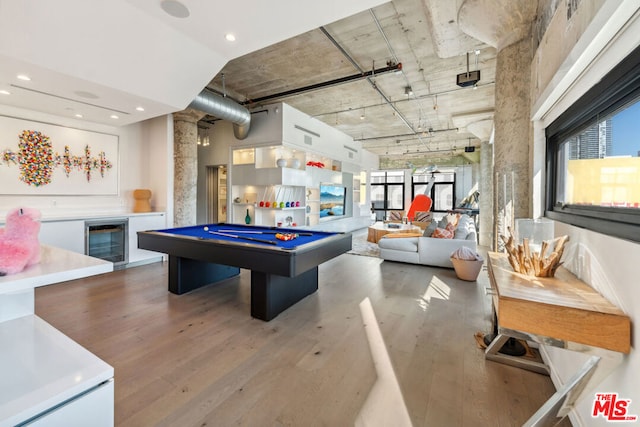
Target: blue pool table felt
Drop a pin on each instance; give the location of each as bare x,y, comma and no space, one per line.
199,232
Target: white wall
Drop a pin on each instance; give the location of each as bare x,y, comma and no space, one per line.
157,164
606,263
143,163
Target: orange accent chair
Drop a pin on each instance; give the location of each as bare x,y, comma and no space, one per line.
421,203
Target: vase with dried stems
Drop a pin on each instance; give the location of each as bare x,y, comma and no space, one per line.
533,263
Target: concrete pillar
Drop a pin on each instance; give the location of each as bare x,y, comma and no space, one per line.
483,130
513,134
185,153
485,187
506,25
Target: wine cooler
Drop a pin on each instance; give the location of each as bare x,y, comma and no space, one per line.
107,240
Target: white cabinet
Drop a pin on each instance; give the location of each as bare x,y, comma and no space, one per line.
50,380
67,235
270,205
279,185
47,379
144,222
94,408
70,234
271,190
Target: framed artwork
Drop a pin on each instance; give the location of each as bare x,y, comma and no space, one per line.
45,159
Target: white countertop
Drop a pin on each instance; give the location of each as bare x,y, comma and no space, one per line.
40,368
56,265
60,214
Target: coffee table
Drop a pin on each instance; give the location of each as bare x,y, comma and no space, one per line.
379,229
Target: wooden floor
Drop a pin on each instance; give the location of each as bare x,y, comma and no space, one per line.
199,359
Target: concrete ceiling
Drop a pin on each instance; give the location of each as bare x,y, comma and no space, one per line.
432,125
104,58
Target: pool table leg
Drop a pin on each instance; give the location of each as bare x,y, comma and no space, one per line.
272,294
188,274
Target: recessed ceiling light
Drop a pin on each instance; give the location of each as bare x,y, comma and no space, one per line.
113,116
23,77
175,8
139,108
4,92
230,37
78,115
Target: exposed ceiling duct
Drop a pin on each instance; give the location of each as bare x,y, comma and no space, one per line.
225,109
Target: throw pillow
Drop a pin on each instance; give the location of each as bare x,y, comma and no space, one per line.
449,219
395,215
430,229
465,225
422,216
442,233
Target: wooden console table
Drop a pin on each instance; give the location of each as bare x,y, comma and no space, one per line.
562,312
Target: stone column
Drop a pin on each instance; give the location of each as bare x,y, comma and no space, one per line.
485,187
483,129
506,25
185,160
513,134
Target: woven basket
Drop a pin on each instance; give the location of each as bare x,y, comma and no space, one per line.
467,270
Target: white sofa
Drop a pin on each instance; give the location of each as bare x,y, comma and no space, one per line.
429,250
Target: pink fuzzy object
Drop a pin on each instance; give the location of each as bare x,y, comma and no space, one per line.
19,245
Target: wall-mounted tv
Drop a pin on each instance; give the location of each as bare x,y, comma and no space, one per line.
332,200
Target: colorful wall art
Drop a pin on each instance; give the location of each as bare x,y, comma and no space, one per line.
44,159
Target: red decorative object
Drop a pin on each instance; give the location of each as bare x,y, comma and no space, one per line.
315,164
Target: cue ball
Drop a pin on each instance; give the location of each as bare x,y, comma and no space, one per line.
206,229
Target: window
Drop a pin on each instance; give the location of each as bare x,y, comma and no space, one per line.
593,156
442,191
387,192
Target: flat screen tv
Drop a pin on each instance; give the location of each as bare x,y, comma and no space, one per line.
332,200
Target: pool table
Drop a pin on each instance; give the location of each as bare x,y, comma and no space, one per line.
282,271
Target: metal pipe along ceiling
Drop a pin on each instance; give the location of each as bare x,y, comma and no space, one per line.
225,109
370,80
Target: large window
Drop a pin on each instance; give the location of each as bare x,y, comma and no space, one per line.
387,192
593,156
442,192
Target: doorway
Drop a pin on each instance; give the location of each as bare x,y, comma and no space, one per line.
216,193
